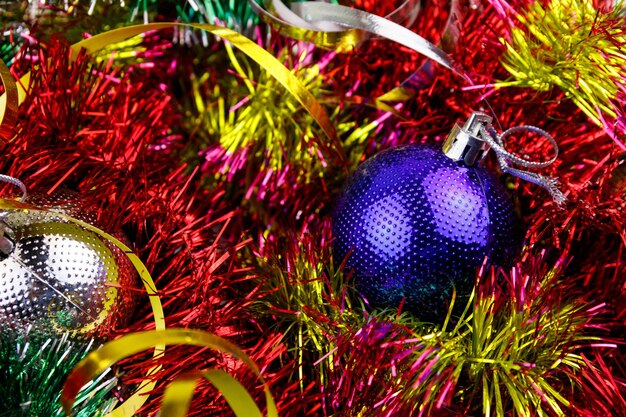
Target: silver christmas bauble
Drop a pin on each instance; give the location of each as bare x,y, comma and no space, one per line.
58,277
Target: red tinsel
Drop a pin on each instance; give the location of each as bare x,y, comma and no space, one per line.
114,136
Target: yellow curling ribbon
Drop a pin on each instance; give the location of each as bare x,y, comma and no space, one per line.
178,395
129,407
9,103
266,60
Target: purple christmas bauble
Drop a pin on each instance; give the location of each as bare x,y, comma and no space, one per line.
415,224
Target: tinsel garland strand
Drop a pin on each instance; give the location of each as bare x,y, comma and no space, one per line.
94,137
176,175
33,368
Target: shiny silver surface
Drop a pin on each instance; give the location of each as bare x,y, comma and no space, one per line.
58,277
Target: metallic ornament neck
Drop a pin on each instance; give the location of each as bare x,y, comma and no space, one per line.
472,142
465,143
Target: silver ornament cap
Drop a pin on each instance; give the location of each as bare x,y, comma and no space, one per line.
465,143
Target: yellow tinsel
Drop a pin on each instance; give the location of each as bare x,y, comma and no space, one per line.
572,45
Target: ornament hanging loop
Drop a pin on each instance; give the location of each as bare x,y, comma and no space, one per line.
505,157
471,143
496,142
14,181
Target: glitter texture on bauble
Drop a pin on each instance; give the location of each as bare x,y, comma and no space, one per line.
57,277
414,224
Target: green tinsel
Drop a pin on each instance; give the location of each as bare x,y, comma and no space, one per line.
11,21
32,371
235,14
8,50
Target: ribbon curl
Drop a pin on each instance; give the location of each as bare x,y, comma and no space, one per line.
178,395
14,181
266,60
376,25
310,15
325,33
129,407
9,103
341,29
